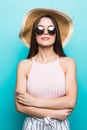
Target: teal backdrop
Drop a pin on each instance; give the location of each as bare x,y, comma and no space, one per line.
12,51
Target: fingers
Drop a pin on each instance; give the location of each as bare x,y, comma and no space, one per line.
69,111
19,93
20,99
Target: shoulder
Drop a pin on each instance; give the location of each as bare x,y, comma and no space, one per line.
25,62
24,65
68,63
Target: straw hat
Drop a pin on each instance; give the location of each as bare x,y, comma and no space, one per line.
64,22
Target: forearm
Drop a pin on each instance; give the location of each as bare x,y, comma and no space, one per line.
53,103
33,111
64,102
41,112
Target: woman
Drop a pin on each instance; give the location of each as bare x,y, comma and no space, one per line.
46,87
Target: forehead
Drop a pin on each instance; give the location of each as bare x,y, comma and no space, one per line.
45,21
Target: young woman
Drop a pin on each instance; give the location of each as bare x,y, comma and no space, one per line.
46,87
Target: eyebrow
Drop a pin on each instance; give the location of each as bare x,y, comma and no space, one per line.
48,26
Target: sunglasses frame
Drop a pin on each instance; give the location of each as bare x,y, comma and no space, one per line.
39,31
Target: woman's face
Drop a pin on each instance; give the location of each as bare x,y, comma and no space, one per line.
46,39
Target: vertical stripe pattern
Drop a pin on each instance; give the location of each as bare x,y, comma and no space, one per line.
46,81
34,123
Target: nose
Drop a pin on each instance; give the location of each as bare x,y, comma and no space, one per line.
45,31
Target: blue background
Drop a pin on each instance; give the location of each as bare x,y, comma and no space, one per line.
12,50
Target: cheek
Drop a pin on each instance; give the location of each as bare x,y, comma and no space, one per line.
38,39
53,38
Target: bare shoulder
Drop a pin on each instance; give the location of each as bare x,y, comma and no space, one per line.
24,65
68,63
25,62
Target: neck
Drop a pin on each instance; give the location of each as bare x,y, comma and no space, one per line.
46,54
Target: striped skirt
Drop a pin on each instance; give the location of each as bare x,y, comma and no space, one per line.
34,123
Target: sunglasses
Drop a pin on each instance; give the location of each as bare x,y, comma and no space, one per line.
40,30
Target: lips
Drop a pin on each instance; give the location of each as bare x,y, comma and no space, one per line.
45,38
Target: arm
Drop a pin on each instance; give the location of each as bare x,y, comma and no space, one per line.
41,112
67,101
21,86
33,111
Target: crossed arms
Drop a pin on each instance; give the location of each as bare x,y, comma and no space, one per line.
58,108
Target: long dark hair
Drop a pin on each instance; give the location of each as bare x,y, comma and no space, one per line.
57,46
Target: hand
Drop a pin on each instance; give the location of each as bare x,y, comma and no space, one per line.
62,114
25,98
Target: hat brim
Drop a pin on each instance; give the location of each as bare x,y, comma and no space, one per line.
64,21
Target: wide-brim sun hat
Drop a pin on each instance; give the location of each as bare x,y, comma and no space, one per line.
64,22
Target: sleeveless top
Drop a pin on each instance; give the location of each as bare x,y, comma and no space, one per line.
46,80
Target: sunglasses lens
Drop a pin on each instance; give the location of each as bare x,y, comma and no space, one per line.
39,30
51,30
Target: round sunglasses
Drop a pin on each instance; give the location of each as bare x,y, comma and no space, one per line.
40,30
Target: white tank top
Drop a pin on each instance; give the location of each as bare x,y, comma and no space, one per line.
46,80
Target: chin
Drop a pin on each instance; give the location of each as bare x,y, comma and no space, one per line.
45,45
